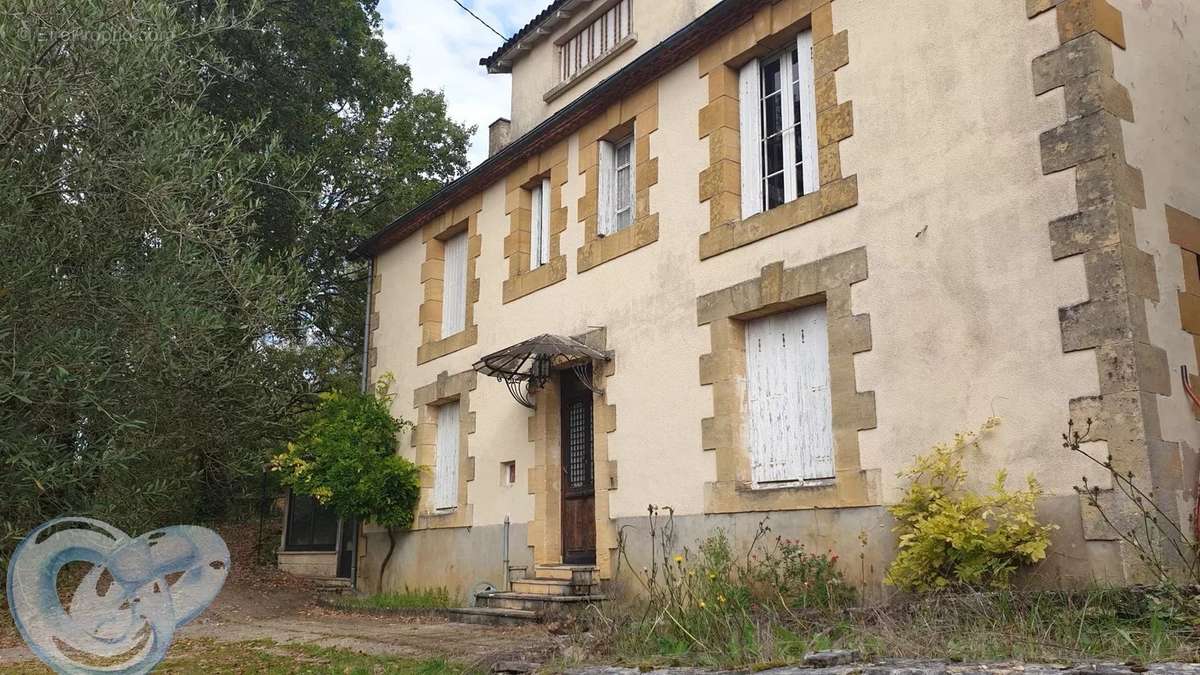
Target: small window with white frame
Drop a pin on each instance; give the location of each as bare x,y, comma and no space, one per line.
778,120
539,224
616,186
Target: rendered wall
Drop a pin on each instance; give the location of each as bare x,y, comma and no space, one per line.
962,293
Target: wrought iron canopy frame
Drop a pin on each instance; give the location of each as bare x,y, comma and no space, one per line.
526,366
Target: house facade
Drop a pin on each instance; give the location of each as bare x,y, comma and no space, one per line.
750,258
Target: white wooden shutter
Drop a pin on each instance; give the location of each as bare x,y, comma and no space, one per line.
808,114
750,120
445,483
454,285
543,243
607,206
789,409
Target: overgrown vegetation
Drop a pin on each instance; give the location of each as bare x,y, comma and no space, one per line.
952,536
416,599
346,457
775,602
1141,519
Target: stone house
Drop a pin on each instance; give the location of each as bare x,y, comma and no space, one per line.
751,257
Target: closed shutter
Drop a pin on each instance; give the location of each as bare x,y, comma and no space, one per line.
445,484
751,138
806,103
606,206
454,285
543,243
789,409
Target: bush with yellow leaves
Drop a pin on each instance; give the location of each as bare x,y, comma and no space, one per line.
951,536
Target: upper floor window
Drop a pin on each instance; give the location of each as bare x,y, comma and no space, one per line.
616,185
539,224
454,285
778,127
595,39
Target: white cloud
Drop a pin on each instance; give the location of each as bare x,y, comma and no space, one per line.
443,45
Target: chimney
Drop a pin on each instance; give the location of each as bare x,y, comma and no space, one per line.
499,134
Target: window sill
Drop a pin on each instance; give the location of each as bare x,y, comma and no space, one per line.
833,197
525,283
297,552
602,249
444,519
794,485
558,89
447,345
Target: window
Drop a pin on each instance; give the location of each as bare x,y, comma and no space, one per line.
454,285
508,473
595,40
779,128
445,483
616,186
539,226
789,408
310,526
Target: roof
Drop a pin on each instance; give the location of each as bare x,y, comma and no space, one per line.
676,49
528,35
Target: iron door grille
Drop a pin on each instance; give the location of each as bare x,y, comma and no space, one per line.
579,447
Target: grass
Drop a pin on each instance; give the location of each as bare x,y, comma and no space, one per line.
434,598
1047,627
264,656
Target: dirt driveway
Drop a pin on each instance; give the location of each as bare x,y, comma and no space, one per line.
284,612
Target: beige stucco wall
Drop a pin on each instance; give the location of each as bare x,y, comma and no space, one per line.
1161,68
962,292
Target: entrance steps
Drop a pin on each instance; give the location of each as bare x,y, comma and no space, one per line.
553,590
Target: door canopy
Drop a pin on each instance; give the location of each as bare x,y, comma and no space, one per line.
526,366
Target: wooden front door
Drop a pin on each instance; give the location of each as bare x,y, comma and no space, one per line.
579,490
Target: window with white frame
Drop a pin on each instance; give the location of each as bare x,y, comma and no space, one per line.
595,40
539,225
445,468
454,285
616,186
778,127
789,410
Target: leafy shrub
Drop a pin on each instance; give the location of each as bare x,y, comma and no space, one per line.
346,458
952,536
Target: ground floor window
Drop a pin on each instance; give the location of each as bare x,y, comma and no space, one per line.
310,526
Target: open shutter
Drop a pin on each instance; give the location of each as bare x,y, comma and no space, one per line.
608,190
454,285
445,486
807,103
749,90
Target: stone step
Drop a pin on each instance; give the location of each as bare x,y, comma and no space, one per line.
494,616
580,575
533,602
550,587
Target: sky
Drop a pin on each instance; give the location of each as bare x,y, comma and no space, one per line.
443,45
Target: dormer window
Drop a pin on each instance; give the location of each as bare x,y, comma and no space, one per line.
597,39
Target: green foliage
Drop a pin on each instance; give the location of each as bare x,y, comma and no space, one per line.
431,598
140,372
346,458
951,536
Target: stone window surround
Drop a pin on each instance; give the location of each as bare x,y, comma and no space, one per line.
545,477
1184,230
462,218
725,312
518,206
638,113
720,182
446,389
